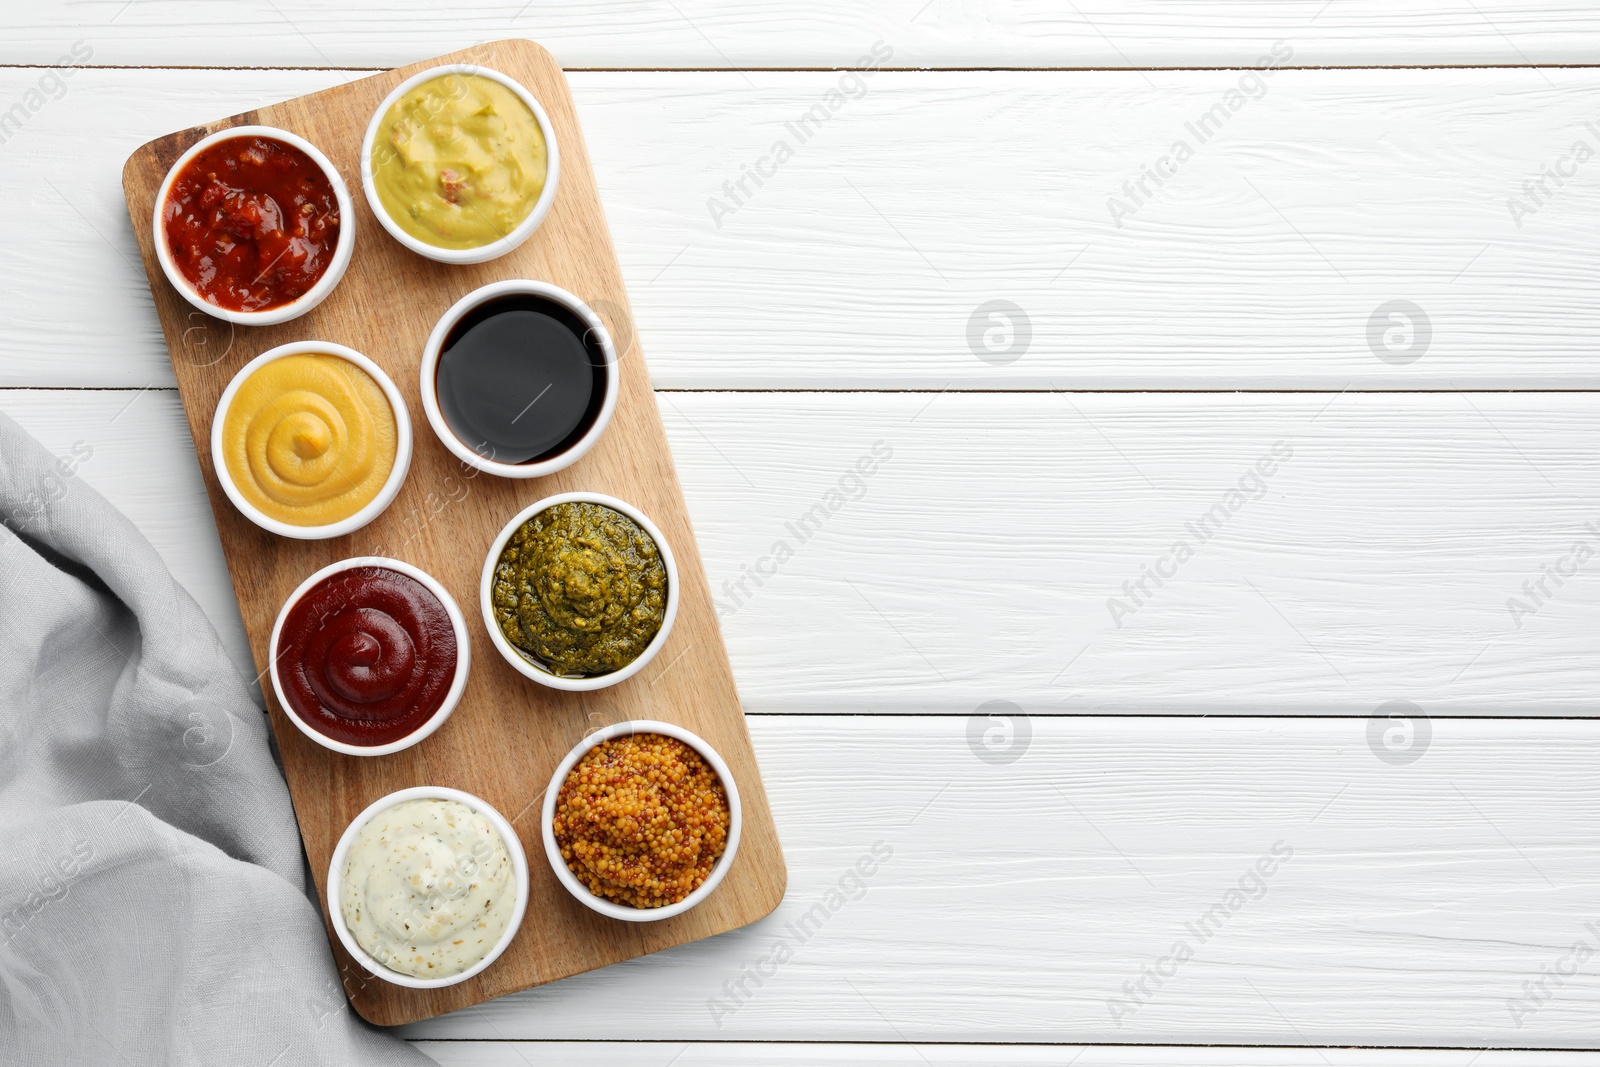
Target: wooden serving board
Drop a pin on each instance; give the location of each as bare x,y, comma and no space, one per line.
508,733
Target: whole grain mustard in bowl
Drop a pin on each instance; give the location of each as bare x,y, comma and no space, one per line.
311,440
641,821
460,163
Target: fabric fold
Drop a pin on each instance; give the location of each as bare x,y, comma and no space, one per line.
154,907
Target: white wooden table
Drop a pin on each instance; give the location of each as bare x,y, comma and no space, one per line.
1082,779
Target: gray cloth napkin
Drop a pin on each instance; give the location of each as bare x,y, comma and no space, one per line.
153,897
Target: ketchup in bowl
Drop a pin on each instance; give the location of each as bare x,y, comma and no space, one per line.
366,656
251,223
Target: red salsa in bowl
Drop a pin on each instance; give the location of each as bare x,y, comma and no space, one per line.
251,221
369,654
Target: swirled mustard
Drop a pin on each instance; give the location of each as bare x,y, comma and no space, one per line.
459,161
580,588
309,439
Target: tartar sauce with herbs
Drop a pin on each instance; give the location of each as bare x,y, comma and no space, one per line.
428,888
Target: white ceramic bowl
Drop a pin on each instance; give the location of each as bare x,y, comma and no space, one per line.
430,378
622,911
524,229
519,864
374,507
342,250
452,696
527,666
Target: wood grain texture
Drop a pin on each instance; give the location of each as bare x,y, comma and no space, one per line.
1020,898
825,33
992,540
508,733
992,556
1424,907
491,1053
1258,267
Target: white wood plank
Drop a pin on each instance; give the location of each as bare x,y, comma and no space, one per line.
488,1053
1411,913
747,33
862,262
979,561
141,459
1019,898
988,558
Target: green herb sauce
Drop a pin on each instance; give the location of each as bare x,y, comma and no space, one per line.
580,589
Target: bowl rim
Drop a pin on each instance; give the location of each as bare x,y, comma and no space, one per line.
570,881
517,659
458,681
524,229
508,836
343,249
433,350
374,507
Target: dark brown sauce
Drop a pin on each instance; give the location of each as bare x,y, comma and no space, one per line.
367,655
521,379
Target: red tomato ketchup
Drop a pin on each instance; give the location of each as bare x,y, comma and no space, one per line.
252,223
366,656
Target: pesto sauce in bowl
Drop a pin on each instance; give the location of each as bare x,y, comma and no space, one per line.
580,589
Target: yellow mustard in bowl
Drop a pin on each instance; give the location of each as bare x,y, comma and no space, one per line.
309,439
459,161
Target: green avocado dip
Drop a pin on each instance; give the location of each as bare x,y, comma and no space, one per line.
580,589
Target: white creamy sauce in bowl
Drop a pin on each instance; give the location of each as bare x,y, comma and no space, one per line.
428,888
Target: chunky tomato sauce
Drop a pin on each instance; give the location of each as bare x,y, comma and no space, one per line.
252,223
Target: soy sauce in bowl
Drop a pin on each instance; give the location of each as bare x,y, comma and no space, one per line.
521,379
